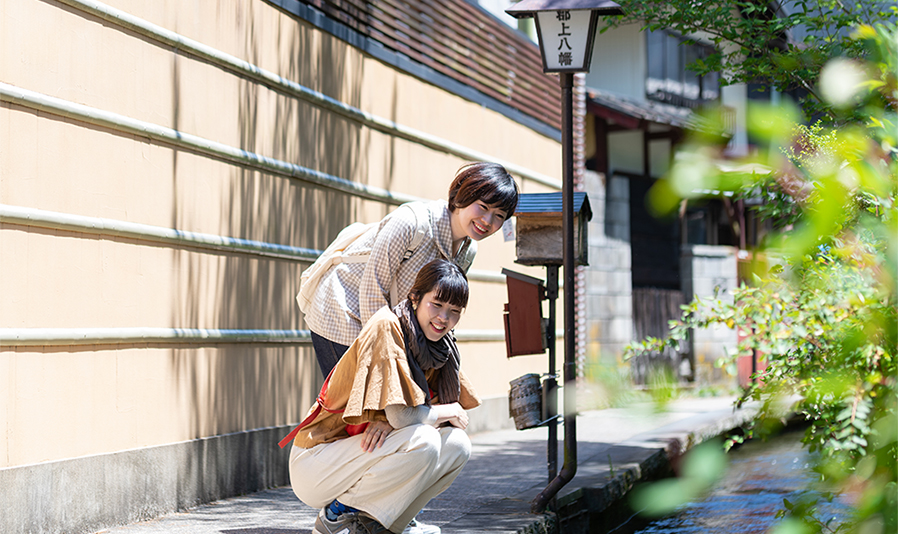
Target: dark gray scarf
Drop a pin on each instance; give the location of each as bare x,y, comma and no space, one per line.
424,354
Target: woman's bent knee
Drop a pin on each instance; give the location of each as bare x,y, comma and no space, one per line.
458,443
457,440
303,485
425,442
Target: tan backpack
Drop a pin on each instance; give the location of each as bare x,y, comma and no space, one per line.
333,255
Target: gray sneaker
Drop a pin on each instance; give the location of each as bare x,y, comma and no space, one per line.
346,523
370,525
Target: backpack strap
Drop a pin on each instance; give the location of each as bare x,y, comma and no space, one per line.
466,257
422,225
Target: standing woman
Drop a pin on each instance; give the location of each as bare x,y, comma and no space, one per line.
481,197
403,369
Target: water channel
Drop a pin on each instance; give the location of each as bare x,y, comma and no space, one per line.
760,475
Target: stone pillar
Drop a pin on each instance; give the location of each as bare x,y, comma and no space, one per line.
609,306
709,272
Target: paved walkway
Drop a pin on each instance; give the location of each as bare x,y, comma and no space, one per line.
506,471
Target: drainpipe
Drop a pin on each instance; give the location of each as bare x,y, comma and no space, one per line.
569,469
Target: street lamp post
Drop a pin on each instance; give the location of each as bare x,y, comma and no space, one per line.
566,29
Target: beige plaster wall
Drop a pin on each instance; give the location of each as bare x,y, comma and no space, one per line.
63,402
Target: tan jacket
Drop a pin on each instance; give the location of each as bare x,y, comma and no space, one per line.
372,375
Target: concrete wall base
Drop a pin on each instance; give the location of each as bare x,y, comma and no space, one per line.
91,493
491,415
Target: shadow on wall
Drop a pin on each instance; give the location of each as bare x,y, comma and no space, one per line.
239,387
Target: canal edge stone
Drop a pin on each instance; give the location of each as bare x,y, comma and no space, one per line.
597,494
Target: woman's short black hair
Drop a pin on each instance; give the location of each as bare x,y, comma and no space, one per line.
446,279
489,182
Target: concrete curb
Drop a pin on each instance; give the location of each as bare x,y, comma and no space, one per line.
595,491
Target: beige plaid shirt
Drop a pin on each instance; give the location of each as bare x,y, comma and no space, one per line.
350,293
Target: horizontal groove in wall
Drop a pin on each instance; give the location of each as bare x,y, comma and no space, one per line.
272,80
480,335
157,234
490,335
114,228
492,277
23,337
62,337
207,147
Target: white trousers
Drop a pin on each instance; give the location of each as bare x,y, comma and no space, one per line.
391,484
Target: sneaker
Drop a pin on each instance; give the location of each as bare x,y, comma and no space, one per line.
369,525
344,524
417,527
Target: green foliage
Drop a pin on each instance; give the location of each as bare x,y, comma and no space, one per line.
802,516
751,39
608,386
822,308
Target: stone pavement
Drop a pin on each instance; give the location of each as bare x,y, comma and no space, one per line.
506,471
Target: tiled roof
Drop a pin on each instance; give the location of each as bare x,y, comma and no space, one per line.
647,110
656,112
550,203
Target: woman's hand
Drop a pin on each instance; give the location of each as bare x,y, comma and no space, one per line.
453,414
375,435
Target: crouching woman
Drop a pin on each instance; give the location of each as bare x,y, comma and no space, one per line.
389,435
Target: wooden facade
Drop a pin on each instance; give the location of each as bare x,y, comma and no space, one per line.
457,39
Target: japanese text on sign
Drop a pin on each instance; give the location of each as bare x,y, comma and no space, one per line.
564,57
564,37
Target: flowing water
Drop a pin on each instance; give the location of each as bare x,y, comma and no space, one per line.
760,476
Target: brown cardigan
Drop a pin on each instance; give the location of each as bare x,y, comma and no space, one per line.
372,375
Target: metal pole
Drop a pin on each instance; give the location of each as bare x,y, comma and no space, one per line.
754,366
551,385
569,469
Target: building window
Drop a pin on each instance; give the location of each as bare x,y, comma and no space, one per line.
668,79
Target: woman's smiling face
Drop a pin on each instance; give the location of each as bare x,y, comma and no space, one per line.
436,317
477,221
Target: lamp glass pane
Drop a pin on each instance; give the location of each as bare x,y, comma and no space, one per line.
564,36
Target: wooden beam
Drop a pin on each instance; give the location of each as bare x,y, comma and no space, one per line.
671,134
631,123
